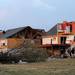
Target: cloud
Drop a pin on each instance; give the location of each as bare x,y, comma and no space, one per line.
42,4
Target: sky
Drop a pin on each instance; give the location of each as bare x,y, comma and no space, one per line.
42,14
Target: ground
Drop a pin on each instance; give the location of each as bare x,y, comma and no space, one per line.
53,67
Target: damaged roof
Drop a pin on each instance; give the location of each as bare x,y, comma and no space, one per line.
12,32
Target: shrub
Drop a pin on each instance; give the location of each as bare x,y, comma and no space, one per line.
34,54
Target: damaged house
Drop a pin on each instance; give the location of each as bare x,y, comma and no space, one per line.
60,37
15,37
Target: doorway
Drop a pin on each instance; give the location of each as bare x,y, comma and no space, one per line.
63,40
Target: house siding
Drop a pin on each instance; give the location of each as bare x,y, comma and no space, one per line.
14,42
10,43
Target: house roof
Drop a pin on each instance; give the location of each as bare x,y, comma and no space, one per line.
11,32
52,31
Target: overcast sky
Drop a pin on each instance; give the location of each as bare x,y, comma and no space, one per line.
35,13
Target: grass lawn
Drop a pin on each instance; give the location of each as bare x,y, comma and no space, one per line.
53,67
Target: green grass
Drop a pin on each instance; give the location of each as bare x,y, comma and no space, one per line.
54,67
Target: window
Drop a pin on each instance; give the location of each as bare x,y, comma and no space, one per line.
4,44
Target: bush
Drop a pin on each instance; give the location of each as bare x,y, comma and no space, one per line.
28,54
34,54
